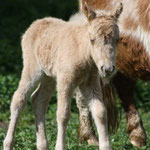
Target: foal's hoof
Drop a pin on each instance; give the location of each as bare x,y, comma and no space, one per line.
138,137
93,141
7,145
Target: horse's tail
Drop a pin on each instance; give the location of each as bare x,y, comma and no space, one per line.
110,104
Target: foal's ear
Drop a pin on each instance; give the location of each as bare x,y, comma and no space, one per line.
89,12
118,11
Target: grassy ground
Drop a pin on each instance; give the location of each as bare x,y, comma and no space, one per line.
25,135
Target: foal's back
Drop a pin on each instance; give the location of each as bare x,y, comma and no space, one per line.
50,42
42,31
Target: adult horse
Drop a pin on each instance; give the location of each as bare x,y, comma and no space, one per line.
133,63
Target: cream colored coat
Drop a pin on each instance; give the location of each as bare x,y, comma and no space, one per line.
73,55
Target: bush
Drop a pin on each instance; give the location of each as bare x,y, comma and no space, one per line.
8,86
142,95
15,19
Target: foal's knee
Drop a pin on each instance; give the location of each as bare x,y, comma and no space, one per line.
42,145
63,116
98,111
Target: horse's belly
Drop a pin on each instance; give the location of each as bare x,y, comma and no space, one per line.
132,59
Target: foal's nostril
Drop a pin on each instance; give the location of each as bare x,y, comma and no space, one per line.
113,69
102,68
107,70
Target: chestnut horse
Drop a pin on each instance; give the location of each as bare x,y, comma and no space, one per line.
132,61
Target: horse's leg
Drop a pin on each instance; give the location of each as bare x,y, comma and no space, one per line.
92,95
85,130
40,100
125,88
99,114
64,89
27,82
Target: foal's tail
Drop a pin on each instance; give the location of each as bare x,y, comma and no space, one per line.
109,102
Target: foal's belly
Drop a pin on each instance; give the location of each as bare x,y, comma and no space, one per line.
132,59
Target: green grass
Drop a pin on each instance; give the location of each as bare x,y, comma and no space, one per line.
25,138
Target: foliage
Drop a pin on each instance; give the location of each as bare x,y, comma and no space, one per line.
16,16
25,135
142,95
25,138
7,88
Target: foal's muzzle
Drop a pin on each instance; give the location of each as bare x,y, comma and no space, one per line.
107,71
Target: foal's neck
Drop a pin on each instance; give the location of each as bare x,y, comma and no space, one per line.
84,42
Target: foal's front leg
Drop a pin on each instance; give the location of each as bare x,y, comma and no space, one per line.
99,114
92,99
63,110
85,130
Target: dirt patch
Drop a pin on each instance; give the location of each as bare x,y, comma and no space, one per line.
3,125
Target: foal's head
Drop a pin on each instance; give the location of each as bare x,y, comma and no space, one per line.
103,36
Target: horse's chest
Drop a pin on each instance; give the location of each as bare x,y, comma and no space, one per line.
132,59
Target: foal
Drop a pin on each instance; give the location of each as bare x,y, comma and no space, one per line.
73,55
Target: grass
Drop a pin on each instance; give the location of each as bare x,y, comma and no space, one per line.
25,138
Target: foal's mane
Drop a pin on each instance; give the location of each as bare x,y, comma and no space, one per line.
80,19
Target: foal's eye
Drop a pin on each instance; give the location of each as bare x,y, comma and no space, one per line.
105,39
92,41
117,40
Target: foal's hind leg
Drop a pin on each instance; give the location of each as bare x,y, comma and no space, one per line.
27,82
125,88
40,99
